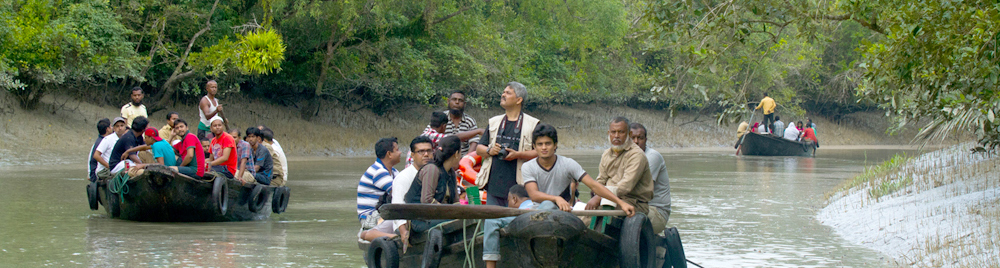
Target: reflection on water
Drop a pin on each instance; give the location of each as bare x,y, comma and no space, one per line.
731,211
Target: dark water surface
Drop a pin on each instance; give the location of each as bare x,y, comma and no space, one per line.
731,212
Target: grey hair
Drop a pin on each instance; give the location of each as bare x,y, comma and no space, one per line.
620,119
519,90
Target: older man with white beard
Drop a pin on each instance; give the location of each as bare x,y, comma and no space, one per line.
624,169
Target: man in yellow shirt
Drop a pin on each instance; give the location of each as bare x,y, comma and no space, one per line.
767,103
167,131
135,108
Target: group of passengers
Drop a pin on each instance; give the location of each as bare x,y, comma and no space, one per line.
772,125
128,144
520,169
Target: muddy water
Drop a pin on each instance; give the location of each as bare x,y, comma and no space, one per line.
732,212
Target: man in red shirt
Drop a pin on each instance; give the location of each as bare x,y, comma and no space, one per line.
223,146
809,134
191,156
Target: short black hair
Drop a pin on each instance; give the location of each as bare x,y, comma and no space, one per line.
639,126
544,130
765,93
254,131
457,91
383,146
518,191
172,113
267,134
620,119
418,140
438,119
180,121
140,123
204,138
776,117
102,126
137,88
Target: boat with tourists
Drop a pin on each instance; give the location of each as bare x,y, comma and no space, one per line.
535,238
160,194
769,145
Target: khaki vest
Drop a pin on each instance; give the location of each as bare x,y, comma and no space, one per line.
527,126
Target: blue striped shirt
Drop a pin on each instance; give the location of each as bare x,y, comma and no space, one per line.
376,181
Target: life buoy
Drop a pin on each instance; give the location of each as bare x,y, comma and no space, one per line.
470,165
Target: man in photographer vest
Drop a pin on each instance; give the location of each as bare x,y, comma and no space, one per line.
505,146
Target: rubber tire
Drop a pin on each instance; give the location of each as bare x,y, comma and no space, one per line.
220,194
92,195
432,249
258,197
382,253
114,204
636,243
675,251
279,200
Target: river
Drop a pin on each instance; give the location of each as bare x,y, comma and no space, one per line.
731,212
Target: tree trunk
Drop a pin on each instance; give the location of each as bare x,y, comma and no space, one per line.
171,85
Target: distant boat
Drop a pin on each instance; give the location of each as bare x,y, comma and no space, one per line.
769,145
160,194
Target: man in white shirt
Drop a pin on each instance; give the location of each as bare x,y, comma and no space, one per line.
103,151
660,204
421,150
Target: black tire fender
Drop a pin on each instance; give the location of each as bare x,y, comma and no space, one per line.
382,253
92,195
258,197
279,200
432,249
220,194
637,243
675,251
114,204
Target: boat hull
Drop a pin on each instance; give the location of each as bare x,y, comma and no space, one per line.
161,195
768,145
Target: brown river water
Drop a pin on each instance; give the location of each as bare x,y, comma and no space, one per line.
731,212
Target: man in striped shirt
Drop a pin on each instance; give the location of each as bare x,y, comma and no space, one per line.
460,122
376,181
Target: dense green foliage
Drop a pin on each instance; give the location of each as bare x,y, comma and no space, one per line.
932,59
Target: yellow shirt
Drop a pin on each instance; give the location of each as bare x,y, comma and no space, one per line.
130,112
768,104
742,129
166,132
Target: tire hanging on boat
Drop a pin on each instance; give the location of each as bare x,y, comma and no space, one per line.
92,195
675,251
382,253
636,243
114,202
279,200
220,194
258,197
432,248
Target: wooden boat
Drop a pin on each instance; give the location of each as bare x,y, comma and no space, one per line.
535,238
770,145
161,194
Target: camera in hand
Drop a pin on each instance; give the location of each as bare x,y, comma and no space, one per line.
503,150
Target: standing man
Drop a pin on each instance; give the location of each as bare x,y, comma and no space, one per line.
624,169
460,122
779,127
437,130
659,212
103,130
768,105
373,184
135,108
508,147
421,150
167,131
209,108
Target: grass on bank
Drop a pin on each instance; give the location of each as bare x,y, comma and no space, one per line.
884,178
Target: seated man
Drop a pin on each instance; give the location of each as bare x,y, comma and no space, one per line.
660,204
423,151
261,163
224,157
119,159
437,128
103,130
517,197
163,154
372,185
280,167
245,160
167,131
624,169
206,147
190,151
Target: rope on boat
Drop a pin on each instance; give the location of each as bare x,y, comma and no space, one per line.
119,185
470,248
